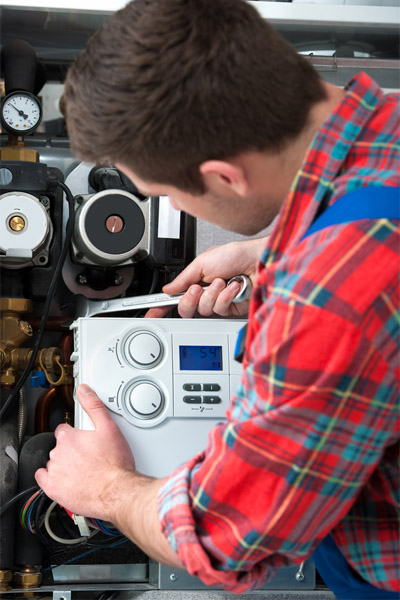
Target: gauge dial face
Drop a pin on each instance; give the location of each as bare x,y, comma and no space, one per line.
21,112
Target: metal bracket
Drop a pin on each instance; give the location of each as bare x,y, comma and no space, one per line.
62,595
324,63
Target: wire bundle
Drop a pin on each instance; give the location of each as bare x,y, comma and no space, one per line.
27,512
103,527
34,514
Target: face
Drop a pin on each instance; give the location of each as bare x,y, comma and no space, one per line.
230,213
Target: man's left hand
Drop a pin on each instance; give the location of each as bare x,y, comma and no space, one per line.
85,466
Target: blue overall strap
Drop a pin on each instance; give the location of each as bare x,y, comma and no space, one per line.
343,581
363,203
372,202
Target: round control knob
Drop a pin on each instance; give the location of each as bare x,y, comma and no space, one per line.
144,349
144,400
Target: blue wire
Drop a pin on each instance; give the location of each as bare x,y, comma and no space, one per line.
86,553
107,530
29,515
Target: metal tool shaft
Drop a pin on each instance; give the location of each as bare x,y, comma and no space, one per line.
90,308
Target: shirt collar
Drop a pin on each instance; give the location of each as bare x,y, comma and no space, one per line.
323,163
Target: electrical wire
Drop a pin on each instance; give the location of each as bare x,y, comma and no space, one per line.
56,538
87,544
15,498
89,552
32,519
109,595
46,309
101,525
32,505
25,509
39,516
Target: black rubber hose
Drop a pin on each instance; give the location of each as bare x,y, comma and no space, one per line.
18,61
8,483
34,455
9,401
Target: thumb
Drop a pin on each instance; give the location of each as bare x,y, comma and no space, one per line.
41,476
93,406
191,274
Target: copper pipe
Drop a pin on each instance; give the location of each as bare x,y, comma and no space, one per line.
42,411
53,323
66,345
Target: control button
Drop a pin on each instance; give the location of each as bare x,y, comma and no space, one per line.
192,387
145,400
211,387
144,349
211,400
192,399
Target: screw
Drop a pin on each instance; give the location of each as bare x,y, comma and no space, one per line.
173,577
44,200
82,279
79,199
300,575
118,279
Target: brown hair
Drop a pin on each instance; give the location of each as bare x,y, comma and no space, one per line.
166,84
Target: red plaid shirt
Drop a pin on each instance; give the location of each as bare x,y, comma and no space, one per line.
311,443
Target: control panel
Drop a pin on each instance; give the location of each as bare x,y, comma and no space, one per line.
166,382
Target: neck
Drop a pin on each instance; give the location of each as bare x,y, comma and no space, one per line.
272,174
293,155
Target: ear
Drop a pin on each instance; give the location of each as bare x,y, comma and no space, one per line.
223,177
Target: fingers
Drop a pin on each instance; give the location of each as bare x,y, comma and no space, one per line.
189,302
94,407
193,273
41,477
215,299
158,313
223,303
209,297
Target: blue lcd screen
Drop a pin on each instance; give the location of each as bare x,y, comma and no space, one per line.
200,358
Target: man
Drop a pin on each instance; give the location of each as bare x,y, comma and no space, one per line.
202,101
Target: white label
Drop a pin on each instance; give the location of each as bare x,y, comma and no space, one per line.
169,220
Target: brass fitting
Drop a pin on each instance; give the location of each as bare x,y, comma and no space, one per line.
14,333
5,578
15,149
28,578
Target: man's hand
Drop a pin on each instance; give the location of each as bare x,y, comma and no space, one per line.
85,466
92,473
214,266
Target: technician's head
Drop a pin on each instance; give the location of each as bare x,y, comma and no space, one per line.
168,84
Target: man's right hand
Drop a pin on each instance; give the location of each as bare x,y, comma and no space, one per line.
214,267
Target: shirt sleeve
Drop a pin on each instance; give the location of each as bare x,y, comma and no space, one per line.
308,426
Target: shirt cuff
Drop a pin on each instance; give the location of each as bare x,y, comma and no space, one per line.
179,526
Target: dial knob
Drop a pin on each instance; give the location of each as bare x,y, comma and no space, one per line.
144,400
143,349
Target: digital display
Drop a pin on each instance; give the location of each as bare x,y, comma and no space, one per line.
200,358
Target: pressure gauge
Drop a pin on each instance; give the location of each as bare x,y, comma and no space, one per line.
21,112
